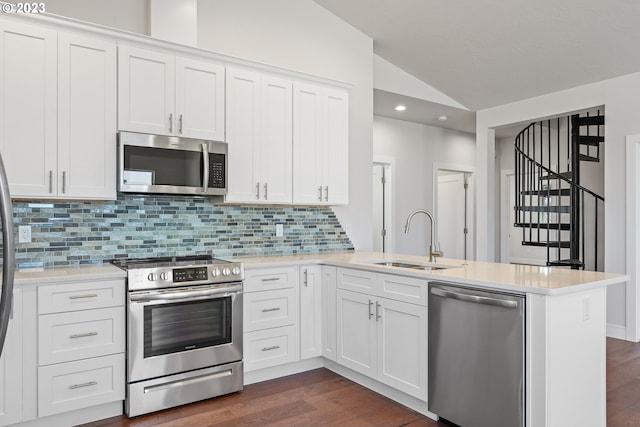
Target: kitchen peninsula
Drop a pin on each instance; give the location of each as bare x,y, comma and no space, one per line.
565,324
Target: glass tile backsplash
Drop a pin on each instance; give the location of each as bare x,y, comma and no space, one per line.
88,232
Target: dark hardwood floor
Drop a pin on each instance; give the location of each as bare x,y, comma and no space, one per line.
322,398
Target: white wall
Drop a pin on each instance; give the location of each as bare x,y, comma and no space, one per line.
128,15
415,148
294,34
621,102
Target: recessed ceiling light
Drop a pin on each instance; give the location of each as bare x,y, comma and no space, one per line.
400,108
442,118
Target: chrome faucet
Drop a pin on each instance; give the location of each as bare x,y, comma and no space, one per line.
432,252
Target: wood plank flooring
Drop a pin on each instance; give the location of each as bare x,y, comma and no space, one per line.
322,398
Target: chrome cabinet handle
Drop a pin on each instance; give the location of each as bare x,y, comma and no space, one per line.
378,315
50,181
87,384
265,191
83,296
320,193
87,334
180,124
326,193
306,278
257,190
270,279
64,182
266,310
273,347
205,157
170,122
370,309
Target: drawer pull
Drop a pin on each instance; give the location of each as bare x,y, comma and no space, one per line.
273,347
266,310
83,296
87,384
87,334
270,279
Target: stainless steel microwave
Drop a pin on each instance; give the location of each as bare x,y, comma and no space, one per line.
171,165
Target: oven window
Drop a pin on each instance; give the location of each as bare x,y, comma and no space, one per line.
175,327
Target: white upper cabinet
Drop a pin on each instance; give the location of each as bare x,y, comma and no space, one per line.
86,117
28,111
259,134
167,95
58,113
320,145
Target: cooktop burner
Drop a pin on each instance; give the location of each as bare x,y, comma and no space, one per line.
151,262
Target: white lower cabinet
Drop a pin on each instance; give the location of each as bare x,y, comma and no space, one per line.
64,387
11,366
270,318
310,311
80,345
382,338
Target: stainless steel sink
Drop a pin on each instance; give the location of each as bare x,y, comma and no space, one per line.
409,265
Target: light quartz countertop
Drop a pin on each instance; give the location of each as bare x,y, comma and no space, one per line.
44,275
505,277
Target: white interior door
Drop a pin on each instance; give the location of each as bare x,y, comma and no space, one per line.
451,214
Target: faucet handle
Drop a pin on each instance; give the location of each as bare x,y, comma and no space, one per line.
438,252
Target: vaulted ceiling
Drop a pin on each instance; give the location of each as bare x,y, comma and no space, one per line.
492,52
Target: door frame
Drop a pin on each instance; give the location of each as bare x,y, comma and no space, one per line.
453,167
389,201
632,332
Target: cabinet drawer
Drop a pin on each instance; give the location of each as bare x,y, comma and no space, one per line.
262,279
407,289
271,347
357,281
72,336
74,385
270,309
80,296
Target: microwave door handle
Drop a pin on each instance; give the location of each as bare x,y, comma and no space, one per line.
205,176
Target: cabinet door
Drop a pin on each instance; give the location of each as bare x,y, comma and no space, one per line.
307,144
358,281
28,111
402,346
329,315
276,140
199,99
146,91
357,332
243,135
11,366
336,146
310,311
86,118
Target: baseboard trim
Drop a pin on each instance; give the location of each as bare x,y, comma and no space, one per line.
616,331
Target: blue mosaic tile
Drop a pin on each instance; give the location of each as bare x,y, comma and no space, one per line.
88,232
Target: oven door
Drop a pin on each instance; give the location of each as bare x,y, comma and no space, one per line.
177,330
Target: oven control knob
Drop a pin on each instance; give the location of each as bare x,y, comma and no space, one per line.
152,277
163,275
226,271
215,272
236,270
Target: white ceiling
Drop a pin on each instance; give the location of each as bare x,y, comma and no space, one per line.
492,52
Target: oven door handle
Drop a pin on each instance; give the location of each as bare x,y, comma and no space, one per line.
184,295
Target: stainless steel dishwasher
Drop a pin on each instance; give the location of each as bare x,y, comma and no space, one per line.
476,356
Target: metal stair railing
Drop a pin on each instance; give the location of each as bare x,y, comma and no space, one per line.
545,214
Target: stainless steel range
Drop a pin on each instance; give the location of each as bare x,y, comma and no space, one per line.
184,330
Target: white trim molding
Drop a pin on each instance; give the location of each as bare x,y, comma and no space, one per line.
633,240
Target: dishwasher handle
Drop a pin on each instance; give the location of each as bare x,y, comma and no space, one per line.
477,299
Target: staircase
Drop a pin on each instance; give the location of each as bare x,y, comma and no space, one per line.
552,208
